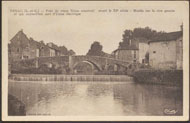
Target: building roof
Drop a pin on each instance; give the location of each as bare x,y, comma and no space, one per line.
167,37
127,47
19,35
53,46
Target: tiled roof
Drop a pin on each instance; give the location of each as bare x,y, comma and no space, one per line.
167,37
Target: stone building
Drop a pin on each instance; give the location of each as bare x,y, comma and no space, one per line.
167,51
54,49
142,44
129,53
22,47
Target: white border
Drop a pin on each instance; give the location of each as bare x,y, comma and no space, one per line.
185,117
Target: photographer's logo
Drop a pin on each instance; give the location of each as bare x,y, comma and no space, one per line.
170,111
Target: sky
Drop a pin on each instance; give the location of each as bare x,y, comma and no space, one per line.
79,32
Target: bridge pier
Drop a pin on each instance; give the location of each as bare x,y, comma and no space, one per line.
115,68
71,64
36,63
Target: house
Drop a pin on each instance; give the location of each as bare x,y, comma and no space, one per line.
166,52
54,49
134,50
129,53
21,47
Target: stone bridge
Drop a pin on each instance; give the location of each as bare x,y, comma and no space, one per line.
98,63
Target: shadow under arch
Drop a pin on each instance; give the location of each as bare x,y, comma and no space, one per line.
118,65
90,63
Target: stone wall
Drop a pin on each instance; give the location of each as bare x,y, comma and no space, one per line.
179,54
162,55
127,55
65,63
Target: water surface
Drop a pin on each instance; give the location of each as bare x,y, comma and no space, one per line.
96,98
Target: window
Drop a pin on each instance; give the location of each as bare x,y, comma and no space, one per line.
154,51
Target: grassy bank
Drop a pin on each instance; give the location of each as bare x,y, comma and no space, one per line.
171,77
15,106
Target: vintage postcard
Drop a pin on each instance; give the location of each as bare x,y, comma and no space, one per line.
95,60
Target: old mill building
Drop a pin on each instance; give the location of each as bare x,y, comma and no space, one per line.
167,51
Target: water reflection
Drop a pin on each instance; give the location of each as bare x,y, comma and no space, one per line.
96,98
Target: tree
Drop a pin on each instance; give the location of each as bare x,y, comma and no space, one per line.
96,49
71,53
128,34
145,33
65,51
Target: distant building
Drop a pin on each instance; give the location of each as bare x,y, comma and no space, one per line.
167,51
54,49
129,53
22,47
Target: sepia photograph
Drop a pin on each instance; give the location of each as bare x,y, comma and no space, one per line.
92,60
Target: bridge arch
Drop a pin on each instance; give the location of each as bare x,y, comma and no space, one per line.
94,65
116,67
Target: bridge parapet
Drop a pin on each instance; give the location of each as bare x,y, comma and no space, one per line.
101,63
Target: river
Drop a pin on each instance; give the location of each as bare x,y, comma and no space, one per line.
96,98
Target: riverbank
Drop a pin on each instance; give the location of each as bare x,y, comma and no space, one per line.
41,77
15,106
169,77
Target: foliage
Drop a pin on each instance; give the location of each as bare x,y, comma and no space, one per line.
65,51
71,52
145,33
96,50
43,69
174,77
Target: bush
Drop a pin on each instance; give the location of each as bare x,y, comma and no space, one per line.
159,76
40,70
